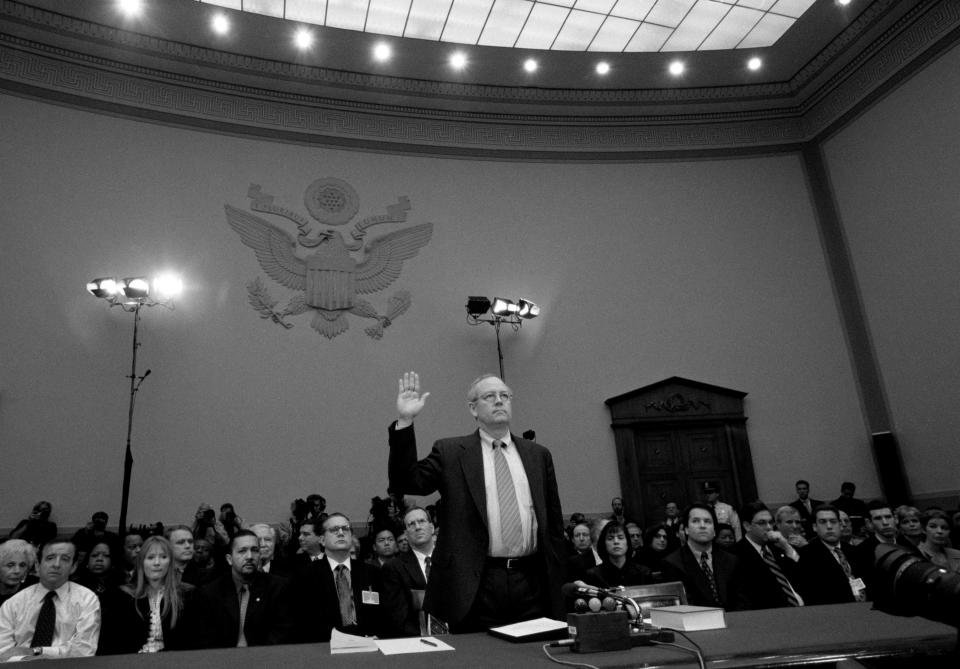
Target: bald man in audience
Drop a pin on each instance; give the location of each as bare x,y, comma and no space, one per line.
405,579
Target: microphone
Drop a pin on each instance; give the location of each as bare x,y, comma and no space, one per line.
580,589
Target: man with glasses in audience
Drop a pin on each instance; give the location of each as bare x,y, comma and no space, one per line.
499,559
343,592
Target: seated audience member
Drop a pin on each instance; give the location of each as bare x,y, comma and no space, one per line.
790,525
846,531
855,508
131,549
883,529
54,617
403,546
805,506
580,537
207,566
231,522
827,574
316,507
908,521
635,537
270,561
578,565
656,548
768,560
723,512
97,572
674,524
955,522
710,577
405,580
17,558
936,544
206,525
616,505
246,606
384,548
95,531
181,539
726,537
37,528
615,569
163,613
311,544
343,593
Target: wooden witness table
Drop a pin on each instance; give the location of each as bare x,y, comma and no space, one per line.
769,638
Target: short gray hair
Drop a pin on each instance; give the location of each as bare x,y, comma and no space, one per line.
16,547
472,389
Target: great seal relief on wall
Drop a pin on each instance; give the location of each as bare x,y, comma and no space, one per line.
327,277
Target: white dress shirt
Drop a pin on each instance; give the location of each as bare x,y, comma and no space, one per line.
528,519
78,620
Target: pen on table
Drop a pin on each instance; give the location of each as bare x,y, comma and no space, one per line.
429,643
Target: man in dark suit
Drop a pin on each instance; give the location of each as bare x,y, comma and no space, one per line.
883,523
768,561
337,591
826,574
710,577
245,593
805,506
500,556
405,579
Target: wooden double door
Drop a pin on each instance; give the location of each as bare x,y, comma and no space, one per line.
675,436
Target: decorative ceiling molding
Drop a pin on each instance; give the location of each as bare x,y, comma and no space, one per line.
77,62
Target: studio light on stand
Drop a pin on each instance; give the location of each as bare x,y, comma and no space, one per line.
131,294
501,310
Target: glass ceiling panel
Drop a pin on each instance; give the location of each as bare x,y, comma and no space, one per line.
578,31
466,21
732,29
614,35
577,25
506,20
542,26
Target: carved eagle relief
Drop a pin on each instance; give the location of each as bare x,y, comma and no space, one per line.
329,280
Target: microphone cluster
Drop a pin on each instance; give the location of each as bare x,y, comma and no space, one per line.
598,625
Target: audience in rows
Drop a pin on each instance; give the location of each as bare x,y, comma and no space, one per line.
222,583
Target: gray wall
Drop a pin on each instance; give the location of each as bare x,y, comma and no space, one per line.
707,269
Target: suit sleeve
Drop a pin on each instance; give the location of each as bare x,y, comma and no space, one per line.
395,603
281,614
406,475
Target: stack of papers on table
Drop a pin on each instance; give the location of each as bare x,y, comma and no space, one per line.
414,644
532,630
350,643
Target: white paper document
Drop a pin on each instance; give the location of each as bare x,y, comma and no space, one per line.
350,643
414,644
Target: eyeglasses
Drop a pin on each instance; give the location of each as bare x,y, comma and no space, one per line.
492,397
337,529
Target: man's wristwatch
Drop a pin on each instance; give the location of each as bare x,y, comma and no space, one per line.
37,650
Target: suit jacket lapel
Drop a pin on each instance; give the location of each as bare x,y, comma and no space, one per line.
412,565
471,464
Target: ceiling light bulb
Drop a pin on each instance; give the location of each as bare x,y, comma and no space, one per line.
382,52
220,24
530,65
603,67
676,68
754,64
458,60
130,7
303,38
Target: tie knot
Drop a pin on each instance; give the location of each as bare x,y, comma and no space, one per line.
499,444
50,596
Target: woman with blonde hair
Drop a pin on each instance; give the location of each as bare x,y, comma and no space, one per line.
167,614
17,558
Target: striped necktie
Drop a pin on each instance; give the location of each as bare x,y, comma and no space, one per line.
782,580
708,572
511,531
348,611
860,596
